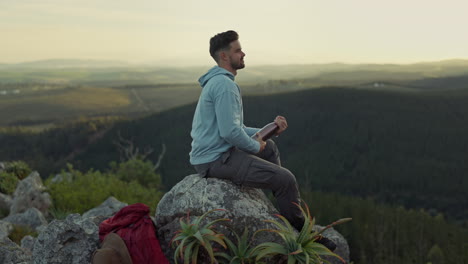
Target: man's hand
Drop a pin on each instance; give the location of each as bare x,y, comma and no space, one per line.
282,124
262,143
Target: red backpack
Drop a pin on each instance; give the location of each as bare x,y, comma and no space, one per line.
133,224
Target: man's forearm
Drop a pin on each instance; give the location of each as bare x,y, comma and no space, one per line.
250,130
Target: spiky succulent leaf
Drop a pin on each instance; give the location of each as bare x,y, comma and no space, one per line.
216,238
299,247
191,236
243,242
337,222
183,225
176,253
231,246
181,246
223,255
200,238
292,260
298,251
188,252
270,248
195,253
215,221
209,250
286,227
309,222
319,249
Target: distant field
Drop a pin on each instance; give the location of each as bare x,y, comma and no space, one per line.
37,95
59,104
40,108
162,97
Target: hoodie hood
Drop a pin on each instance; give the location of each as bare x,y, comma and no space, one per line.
216,70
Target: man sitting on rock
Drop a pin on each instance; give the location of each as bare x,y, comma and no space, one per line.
223,146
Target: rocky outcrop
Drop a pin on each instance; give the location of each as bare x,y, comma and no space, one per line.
10,252
5,229
246,207
65,176
28,205
72,240
29,193
107,209
5,202
27,243
32,218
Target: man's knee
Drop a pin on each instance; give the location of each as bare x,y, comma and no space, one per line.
271,153
286,179
271,146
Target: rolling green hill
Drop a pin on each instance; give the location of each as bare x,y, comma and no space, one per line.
377,151
61,104
372,142
396,147
118,73
398,130
400,148
46,93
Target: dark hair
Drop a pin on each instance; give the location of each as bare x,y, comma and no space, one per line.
221,41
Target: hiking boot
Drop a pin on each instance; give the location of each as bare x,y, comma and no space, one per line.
326,242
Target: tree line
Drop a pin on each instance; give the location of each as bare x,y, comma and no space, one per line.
398,148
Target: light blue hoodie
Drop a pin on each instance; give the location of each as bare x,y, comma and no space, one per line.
218,122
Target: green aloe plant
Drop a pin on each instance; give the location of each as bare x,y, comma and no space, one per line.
194,235
299,247
241,252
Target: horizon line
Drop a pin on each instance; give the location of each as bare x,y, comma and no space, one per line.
189,65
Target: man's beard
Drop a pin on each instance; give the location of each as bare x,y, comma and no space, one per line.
238,66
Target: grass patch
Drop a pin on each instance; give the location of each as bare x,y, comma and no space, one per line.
21,231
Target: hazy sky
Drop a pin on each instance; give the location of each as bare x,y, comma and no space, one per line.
177,32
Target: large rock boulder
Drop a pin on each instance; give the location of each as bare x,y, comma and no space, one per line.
107,209
72,240
246,207
10,252
66,176
29,193
27,243
32,218
194,195
5,229
5,202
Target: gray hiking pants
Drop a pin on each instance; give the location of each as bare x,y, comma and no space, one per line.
259,171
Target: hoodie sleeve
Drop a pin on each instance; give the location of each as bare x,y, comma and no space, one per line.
250,130
228,114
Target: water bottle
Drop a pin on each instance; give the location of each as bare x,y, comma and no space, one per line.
267,131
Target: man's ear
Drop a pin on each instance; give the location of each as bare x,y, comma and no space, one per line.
223,55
